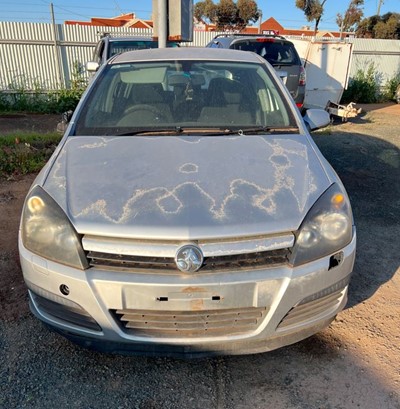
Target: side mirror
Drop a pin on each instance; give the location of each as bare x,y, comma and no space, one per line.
92,66
316,118
65,118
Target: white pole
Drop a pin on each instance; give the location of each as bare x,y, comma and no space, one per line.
378,12
344,16
56,51
162,23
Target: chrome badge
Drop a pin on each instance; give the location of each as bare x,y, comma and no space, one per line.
189,258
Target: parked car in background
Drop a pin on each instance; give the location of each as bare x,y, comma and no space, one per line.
110,45
187,211
278,51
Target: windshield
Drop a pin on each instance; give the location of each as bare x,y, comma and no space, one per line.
117,47
274,51
176,95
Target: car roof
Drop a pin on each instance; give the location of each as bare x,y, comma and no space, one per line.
130,38
187,53
227,39
249,35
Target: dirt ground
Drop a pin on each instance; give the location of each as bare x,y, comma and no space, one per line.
352,364
11,123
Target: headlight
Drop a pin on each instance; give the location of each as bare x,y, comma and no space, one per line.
327,228
46,231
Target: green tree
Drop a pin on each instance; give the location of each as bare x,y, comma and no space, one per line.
313,10
385,27
247,11
352,16
388,29
365,27
205,11
227,15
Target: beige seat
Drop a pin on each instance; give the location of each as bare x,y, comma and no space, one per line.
148,106
228,103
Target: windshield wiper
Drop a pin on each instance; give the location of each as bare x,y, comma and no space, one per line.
218,131
257,130
179,130
282,64
146,131
270,130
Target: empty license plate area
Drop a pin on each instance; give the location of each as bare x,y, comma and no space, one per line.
205,297
191,297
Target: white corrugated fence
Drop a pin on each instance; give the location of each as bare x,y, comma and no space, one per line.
31,58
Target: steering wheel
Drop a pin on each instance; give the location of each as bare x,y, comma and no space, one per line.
160,116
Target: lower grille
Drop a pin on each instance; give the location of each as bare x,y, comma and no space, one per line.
305,311
191,324
217,263
75,316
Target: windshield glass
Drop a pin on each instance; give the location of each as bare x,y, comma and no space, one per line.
274,51
183,94
117,47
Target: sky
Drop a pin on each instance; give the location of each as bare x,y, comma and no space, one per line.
284,11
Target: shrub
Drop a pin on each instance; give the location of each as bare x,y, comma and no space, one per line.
363,88
19,97
391,87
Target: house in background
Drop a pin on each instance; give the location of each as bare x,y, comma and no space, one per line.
124,20
267,26
272,25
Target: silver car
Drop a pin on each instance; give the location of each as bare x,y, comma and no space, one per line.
278,51
187,211
110,45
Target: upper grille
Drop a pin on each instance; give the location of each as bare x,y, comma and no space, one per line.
209,323
217,263
159,255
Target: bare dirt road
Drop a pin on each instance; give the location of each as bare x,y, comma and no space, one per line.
355,363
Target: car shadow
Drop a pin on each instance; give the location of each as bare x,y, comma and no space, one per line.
319,372
370,170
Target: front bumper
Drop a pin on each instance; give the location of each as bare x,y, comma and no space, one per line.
291,303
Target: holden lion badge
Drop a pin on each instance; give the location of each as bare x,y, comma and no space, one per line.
189,258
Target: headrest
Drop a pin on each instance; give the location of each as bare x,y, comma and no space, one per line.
178,79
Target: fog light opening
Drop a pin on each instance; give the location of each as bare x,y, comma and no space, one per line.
64,289
335,260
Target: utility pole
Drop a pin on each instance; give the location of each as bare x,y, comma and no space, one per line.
344,17
56,53
378,12
162,23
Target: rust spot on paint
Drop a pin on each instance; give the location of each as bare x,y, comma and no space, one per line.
194,290
197,305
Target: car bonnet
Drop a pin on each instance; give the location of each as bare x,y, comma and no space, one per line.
186,187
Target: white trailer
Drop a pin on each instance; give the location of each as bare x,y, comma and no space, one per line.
327,65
